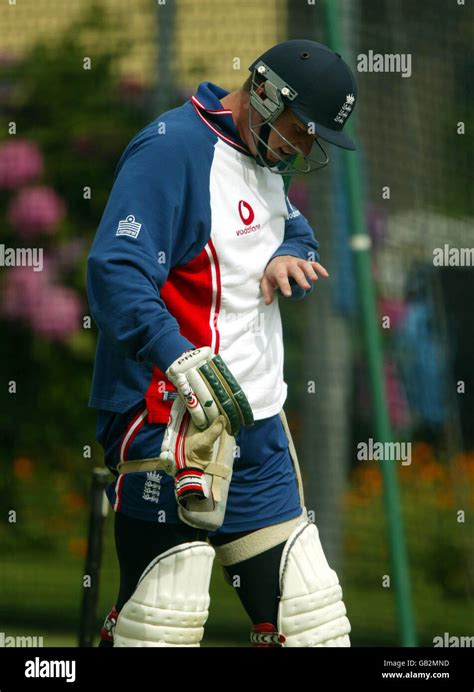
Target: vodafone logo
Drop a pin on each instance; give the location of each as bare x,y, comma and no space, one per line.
246,213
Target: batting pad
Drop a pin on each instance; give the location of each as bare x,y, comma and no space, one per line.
171,602
311,611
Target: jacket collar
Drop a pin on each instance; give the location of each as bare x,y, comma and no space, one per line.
208,107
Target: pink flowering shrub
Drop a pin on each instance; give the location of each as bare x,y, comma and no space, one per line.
21,162
52,311
35,210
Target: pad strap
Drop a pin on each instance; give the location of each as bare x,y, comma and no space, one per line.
256,542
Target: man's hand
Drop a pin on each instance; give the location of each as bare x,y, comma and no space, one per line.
278,272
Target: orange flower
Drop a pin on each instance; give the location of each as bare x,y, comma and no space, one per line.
77,546
444,500
73,502
463,465
369,480
23,468
431,471
422,453
355,499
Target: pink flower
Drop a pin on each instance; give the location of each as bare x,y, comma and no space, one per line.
21,162
58,313
35,210
21,292
52,311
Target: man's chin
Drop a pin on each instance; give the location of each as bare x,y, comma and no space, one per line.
276,159
271,160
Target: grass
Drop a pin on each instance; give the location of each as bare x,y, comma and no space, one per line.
43,599
54,638
41,596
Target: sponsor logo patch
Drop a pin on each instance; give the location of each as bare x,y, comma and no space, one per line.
129,227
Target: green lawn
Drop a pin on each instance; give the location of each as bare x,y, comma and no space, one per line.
69,638
42,597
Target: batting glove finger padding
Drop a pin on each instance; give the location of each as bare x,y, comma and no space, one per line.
209,389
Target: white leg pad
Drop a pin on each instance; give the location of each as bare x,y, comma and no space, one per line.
171,602
311,611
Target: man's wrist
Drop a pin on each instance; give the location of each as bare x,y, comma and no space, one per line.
166,348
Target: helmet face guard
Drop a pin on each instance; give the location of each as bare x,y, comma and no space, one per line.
269,105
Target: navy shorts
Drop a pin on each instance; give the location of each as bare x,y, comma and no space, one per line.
263,489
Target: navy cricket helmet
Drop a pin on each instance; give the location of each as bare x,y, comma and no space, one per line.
311,80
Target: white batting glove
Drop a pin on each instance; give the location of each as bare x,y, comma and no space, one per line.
209,389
